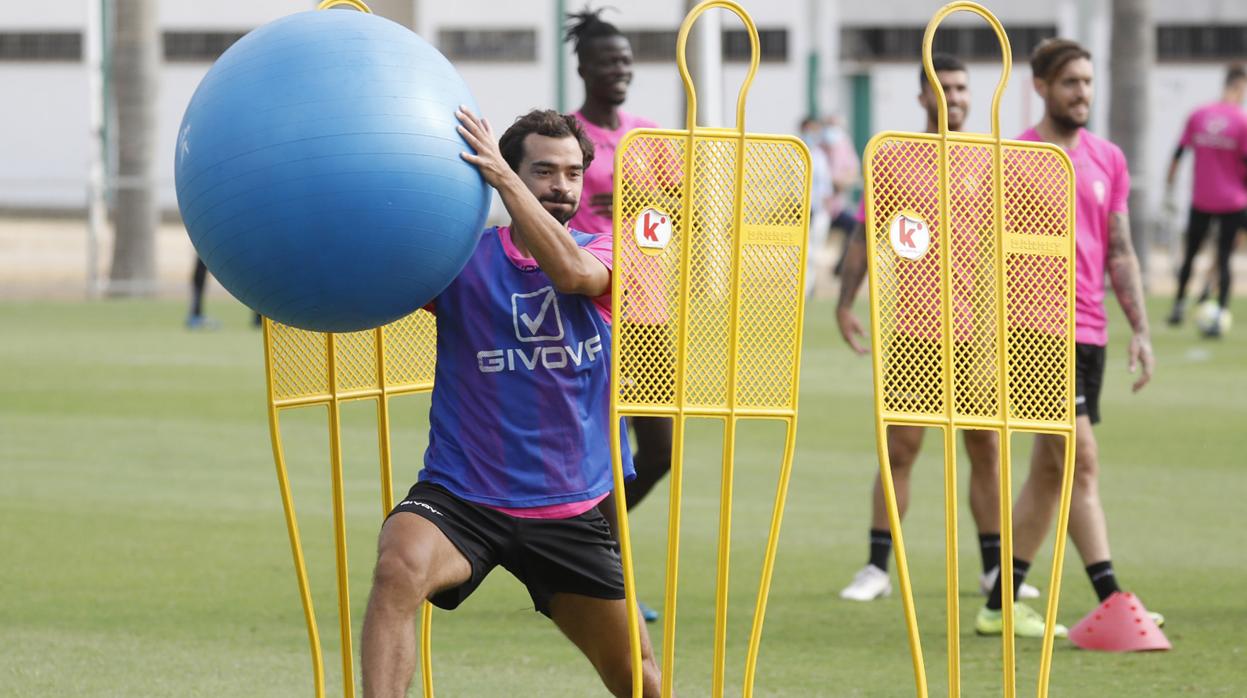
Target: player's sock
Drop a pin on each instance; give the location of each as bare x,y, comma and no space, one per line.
1020,568
1103,578
880,548
989,548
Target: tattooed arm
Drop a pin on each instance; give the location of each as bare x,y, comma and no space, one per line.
1123,272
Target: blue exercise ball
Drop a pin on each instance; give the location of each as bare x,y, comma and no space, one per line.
318,171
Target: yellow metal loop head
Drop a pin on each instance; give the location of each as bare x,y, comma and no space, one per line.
682,58
1006,56
357,4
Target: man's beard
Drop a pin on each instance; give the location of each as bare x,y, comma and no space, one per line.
1066,122
933,115
560,215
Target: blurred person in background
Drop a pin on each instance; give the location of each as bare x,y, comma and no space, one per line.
1217,134
604,64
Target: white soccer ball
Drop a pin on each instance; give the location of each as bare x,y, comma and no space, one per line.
1209,315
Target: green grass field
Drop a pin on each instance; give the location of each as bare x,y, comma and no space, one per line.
142,549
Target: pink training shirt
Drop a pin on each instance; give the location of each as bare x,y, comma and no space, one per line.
600,177
917,309
647,301
1102,188
1217,133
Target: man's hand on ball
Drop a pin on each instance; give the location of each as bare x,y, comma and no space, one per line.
487,158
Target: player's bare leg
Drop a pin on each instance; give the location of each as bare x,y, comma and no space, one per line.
872,581
904,444
1041,494
414,560
599,627
1033,513
983,449
1088,527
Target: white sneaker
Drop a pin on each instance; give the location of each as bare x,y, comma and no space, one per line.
988,579
868,584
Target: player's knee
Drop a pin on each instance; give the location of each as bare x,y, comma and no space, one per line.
901,456
400,577
983,448
903,447
1086,468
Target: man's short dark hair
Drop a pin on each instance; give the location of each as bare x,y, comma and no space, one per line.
942,62
543,122
1235,73
1052,55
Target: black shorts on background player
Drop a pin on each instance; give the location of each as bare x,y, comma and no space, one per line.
1088,380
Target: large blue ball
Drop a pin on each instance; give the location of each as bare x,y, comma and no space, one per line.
318,171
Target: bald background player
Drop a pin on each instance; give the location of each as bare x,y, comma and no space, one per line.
905,442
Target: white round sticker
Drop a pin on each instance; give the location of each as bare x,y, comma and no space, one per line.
910,236
652,231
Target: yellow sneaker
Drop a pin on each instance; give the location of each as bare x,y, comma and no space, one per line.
1026,622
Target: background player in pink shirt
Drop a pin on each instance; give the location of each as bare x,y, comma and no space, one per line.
1062,76
604,58
1217,133
905,442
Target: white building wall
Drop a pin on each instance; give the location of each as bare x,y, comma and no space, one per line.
43,135
43,127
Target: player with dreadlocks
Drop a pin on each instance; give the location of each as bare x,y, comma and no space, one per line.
604,57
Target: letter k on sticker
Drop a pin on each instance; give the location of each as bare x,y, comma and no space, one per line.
536,316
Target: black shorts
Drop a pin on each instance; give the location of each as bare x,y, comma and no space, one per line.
1088,380
549,556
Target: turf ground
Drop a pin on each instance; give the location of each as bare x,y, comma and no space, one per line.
142,549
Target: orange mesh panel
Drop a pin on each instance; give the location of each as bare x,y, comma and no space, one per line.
774,226
1041,332
1036,327
656,286
648,309
906,176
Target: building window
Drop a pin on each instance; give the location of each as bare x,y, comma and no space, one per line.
1222,42
40,46
966,43
772,45
652,45
488,44
198,46
658,45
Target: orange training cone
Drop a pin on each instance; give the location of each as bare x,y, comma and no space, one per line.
1120,624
